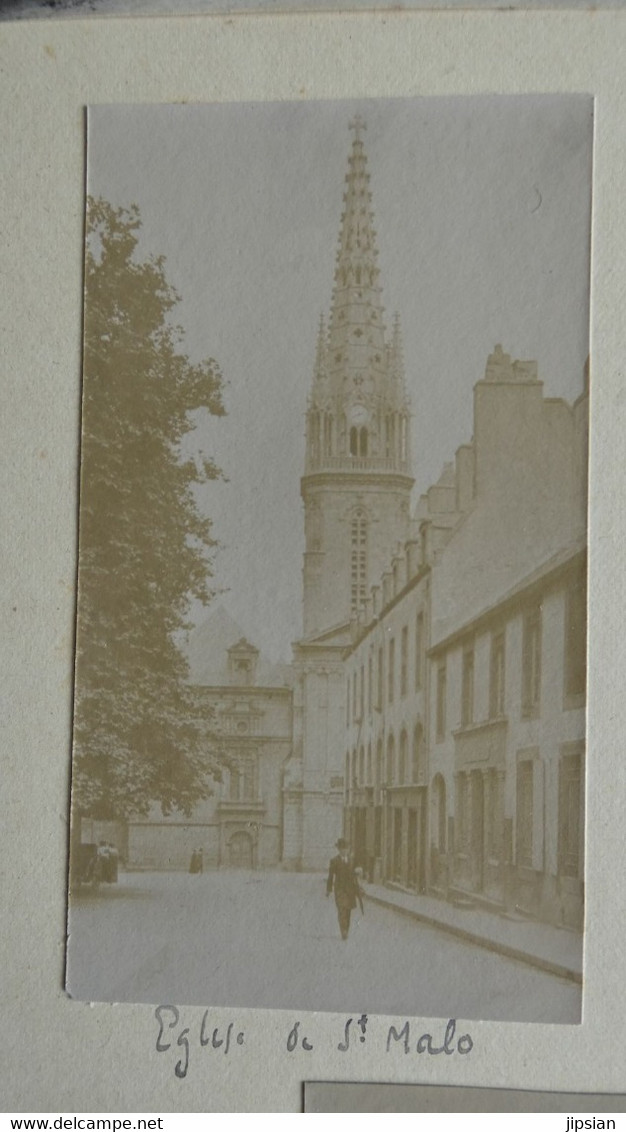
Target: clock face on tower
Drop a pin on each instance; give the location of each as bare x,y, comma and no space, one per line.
358,415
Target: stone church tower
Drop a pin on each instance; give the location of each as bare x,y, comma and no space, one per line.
356,493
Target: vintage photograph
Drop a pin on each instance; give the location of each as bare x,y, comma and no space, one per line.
330,706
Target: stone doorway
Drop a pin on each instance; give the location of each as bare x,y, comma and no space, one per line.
241,851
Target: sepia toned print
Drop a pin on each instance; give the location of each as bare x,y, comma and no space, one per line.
329,751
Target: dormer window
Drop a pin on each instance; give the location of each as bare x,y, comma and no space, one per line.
242,663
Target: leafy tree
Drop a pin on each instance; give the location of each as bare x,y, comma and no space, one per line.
140,733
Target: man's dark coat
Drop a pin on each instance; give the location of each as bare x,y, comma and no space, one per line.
342,878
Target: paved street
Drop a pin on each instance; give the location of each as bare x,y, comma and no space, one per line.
272,940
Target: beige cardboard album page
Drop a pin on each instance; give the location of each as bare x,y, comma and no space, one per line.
396,713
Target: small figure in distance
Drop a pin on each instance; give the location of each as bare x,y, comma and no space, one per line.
102,862
113,863
342,878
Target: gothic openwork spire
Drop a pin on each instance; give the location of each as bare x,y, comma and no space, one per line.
358,408
357,483
357,340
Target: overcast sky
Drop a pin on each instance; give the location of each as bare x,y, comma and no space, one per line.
482,208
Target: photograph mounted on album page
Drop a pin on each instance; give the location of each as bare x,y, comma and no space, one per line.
330,701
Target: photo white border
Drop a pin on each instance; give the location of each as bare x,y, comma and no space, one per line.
64,1056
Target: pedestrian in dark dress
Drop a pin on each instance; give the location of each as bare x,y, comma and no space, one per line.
113,863
342,879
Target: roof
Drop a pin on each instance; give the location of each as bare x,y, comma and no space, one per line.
206,650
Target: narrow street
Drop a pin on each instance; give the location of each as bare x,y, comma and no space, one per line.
271,940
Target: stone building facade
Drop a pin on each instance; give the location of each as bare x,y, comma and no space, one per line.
249,705
466,677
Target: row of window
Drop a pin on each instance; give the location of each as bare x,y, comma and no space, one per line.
372,687
574,666
323,436
496,685
480,813
479,816
570,819
392,767
376,685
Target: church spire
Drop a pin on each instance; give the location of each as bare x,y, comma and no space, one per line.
358,414
357,340
357,482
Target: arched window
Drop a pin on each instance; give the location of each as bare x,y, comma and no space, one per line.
328,434
404,743
358,441
391,761
363,442
358,561
418,751
390,435
243,778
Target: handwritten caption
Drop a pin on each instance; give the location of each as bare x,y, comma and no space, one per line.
230,1040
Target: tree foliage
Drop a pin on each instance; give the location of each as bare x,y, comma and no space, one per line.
140,733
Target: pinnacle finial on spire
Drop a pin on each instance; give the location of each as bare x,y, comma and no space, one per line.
358,124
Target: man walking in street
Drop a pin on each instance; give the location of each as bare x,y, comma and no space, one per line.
343,879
